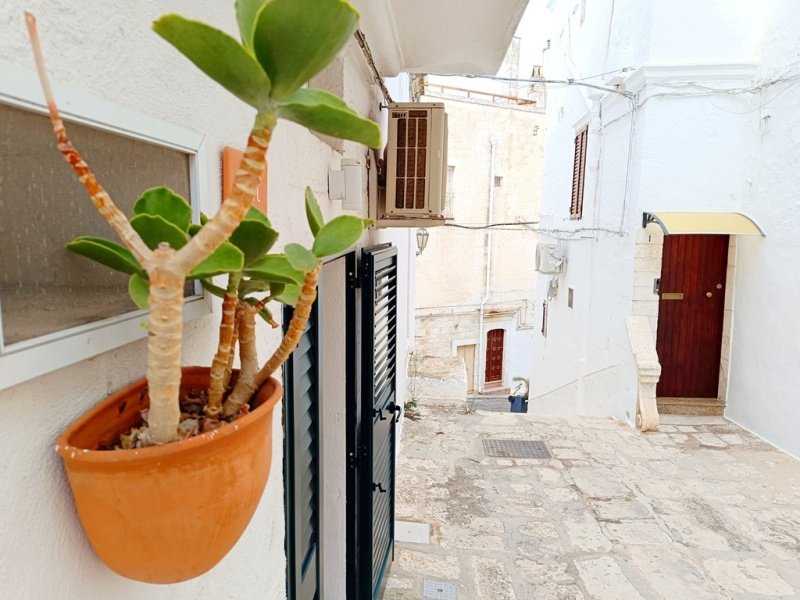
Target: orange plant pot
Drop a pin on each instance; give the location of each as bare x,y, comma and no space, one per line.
168,513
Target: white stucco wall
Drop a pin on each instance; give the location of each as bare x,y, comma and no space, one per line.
106,48
692,149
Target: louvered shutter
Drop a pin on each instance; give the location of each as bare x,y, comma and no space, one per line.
379,296
301,462
578,174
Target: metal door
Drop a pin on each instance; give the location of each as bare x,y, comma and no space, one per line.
690,315
494,355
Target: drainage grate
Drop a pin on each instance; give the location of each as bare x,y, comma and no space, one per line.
438,590
516,449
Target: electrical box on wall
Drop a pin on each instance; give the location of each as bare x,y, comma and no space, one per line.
415,190
548,259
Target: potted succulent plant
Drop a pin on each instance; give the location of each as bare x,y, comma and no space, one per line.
167,473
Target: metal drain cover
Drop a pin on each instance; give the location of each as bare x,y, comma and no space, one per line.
438,590
516,449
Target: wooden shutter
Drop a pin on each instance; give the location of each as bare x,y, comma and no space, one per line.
578,174
301,463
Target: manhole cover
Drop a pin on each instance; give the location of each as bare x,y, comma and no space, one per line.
438,590
516,449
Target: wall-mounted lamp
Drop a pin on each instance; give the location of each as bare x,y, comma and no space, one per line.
422,239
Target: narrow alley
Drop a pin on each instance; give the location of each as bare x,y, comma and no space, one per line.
699,510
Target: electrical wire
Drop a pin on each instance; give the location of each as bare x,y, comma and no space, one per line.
365,49
565,82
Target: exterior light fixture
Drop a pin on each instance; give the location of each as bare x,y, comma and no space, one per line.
422,239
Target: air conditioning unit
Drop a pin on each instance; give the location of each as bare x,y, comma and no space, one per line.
416,160
548,259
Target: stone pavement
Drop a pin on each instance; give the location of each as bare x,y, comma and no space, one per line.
699,510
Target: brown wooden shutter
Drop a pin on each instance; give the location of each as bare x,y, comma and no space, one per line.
578,174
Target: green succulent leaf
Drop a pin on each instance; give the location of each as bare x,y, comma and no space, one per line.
266,315
139,289
154,229
211,288
254,239
203,218
288,296
225,259
246,13
325,113
253,286
254,214
165,203
295,39
338,235
105,252
194,228
274,267
300,258
313,212
219,56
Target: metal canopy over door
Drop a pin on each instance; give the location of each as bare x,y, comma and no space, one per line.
690,315
301,462
379,414
494,355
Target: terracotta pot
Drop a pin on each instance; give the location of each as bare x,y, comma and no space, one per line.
168,513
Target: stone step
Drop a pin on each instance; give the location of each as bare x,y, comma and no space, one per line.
690,406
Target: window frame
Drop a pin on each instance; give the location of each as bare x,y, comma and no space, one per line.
24,360
578,173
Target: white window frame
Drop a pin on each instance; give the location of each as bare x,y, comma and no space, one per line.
27,359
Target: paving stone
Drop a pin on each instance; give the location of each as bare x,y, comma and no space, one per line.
539,529
666,570
585,534
636,533
544,571
598,483
733,439
428,564
561,494
492,581
709,439
557,592
749,576
617,509
686,428
604,580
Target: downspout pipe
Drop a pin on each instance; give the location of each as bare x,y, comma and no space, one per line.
488,276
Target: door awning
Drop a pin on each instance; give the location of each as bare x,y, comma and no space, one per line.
725,223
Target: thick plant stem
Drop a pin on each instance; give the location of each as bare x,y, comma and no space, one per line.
245,388
225,348
100,198
248,354
235,206
165,333
229,368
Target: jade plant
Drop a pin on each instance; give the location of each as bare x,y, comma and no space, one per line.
284,43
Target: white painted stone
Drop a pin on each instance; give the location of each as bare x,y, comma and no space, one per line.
415,533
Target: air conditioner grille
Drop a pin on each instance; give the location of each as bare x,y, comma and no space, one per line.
412,140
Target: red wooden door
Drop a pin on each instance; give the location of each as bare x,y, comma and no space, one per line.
494,355
690,312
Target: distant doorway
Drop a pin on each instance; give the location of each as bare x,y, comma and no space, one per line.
467,354
690,315
494,356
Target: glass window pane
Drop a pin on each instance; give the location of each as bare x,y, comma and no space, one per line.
44,288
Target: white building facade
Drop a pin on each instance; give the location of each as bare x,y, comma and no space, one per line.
695,112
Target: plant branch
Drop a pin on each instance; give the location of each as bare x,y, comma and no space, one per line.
245,388
225,348
100,198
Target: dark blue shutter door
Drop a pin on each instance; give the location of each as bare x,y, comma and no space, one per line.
301,463
378,363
